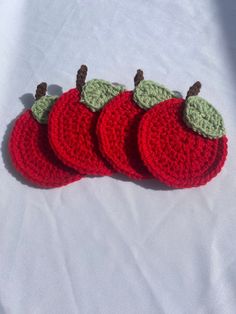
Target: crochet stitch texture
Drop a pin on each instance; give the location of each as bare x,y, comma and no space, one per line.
148,93
42,107
174,153
117,129
98,128
72,135
203,118
33,157
96,93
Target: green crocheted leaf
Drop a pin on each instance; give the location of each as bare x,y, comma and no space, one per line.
96,93
149,93
41,108
203,118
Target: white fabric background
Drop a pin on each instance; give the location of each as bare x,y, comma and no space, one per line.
107,245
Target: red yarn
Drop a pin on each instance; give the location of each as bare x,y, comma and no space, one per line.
33,157
174,153
72,135
117,129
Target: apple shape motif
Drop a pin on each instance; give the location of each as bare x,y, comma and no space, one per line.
117,126
72,125
30,150
182,141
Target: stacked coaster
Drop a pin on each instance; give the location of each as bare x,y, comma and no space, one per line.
30,150
72,125
99,128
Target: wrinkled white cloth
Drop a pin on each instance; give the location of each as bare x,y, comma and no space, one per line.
107,245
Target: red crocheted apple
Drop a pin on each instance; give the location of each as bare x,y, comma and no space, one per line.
117,126
183,142
29,147
72,125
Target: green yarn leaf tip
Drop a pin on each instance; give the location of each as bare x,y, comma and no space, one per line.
96,93
42,107
203,118
149,93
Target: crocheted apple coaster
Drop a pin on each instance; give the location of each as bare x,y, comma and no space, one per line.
31,153
72,125
117,126
176,154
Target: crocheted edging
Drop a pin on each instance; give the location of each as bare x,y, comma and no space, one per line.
148,93
96,93
203,118
42,107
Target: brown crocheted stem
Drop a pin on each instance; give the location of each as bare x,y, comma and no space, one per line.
194,90
41,90
138,77
81,77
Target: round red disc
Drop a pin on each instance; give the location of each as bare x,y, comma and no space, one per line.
72,134
117,129
174,153
33,157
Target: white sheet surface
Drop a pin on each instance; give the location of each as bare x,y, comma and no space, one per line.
106,245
